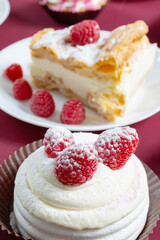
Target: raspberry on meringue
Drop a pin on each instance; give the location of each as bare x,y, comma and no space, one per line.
108,205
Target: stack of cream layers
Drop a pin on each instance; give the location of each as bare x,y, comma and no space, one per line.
113,205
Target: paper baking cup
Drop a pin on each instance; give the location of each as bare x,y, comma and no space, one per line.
8,172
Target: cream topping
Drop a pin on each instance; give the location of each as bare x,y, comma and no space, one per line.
94,193
106,198
125,228
73,6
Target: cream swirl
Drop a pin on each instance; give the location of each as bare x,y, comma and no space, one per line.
106,198
127,228
73,6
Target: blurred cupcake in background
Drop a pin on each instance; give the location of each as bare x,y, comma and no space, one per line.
72,11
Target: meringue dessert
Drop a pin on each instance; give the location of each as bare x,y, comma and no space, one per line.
103,74
72,11
82,186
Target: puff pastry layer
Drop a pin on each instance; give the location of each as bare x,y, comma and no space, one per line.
103,75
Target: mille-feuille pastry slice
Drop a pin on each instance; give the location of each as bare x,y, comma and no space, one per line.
103,75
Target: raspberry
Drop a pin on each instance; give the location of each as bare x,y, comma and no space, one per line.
21,89
115,146
85,32
42,103
73,112
57,139
14,72
76,164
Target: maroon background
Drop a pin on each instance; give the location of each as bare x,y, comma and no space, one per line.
26,18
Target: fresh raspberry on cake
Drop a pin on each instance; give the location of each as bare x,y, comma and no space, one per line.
76,164
42,103
56,140
85,32
22,89
73,112
14,72
115,146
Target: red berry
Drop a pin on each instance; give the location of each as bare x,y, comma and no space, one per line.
85,32
73,112
76,164
21,89
56,140
115,146
42,103
14,72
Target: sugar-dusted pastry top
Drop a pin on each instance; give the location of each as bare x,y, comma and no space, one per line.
107,197
73,6
110,54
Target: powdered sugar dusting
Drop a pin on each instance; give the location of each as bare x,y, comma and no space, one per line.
58,133
115,146
89,138
59,41
78,150
56,139
118,133
76,164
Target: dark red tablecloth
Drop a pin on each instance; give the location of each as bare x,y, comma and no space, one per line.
26,18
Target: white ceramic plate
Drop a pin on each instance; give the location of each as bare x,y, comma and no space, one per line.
144,104
4,10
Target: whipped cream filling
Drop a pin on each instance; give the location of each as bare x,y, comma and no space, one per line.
80,85
140,64
109,196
